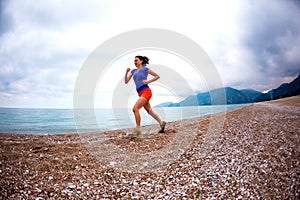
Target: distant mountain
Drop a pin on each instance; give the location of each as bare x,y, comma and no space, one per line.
285,90
168,104
233,96
251,94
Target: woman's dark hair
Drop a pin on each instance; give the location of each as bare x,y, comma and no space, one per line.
144,59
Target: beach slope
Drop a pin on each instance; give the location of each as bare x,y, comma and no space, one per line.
256,155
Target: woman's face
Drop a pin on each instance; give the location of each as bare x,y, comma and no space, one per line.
137,62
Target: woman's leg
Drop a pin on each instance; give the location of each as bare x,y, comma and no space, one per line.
162,124
149,110
138,105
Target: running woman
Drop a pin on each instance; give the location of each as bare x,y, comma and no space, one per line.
140,75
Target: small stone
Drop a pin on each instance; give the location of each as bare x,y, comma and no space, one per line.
66,191
38,190
112,163
86,185
71,186
135,183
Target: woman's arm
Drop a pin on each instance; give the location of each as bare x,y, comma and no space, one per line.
127,78
156,76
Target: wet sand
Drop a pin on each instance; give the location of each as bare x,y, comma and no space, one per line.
255,156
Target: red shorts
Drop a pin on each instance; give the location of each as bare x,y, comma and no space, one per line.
146,93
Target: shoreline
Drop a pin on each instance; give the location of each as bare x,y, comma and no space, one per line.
255,156
68,128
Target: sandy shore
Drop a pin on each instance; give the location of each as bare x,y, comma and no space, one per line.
255,156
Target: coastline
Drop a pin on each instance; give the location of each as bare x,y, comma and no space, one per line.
255,156
63,121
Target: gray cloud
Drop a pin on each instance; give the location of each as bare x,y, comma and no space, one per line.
6,20
39,62
51,15
273,30
268,41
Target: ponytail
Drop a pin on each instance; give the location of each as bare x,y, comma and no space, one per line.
144,59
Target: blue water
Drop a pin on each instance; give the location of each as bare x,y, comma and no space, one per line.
57,121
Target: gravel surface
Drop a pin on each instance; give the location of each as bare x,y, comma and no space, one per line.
256,156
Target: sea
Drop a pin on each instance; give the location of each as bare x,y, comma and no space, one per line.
40,121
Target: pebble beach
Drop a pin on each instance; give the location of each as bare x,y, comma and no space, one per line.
255,156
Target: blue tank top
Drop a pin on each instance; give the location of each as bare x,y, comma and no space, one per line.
138,78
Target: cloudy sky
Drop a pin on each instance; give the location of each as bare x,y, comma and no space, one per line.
43,44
